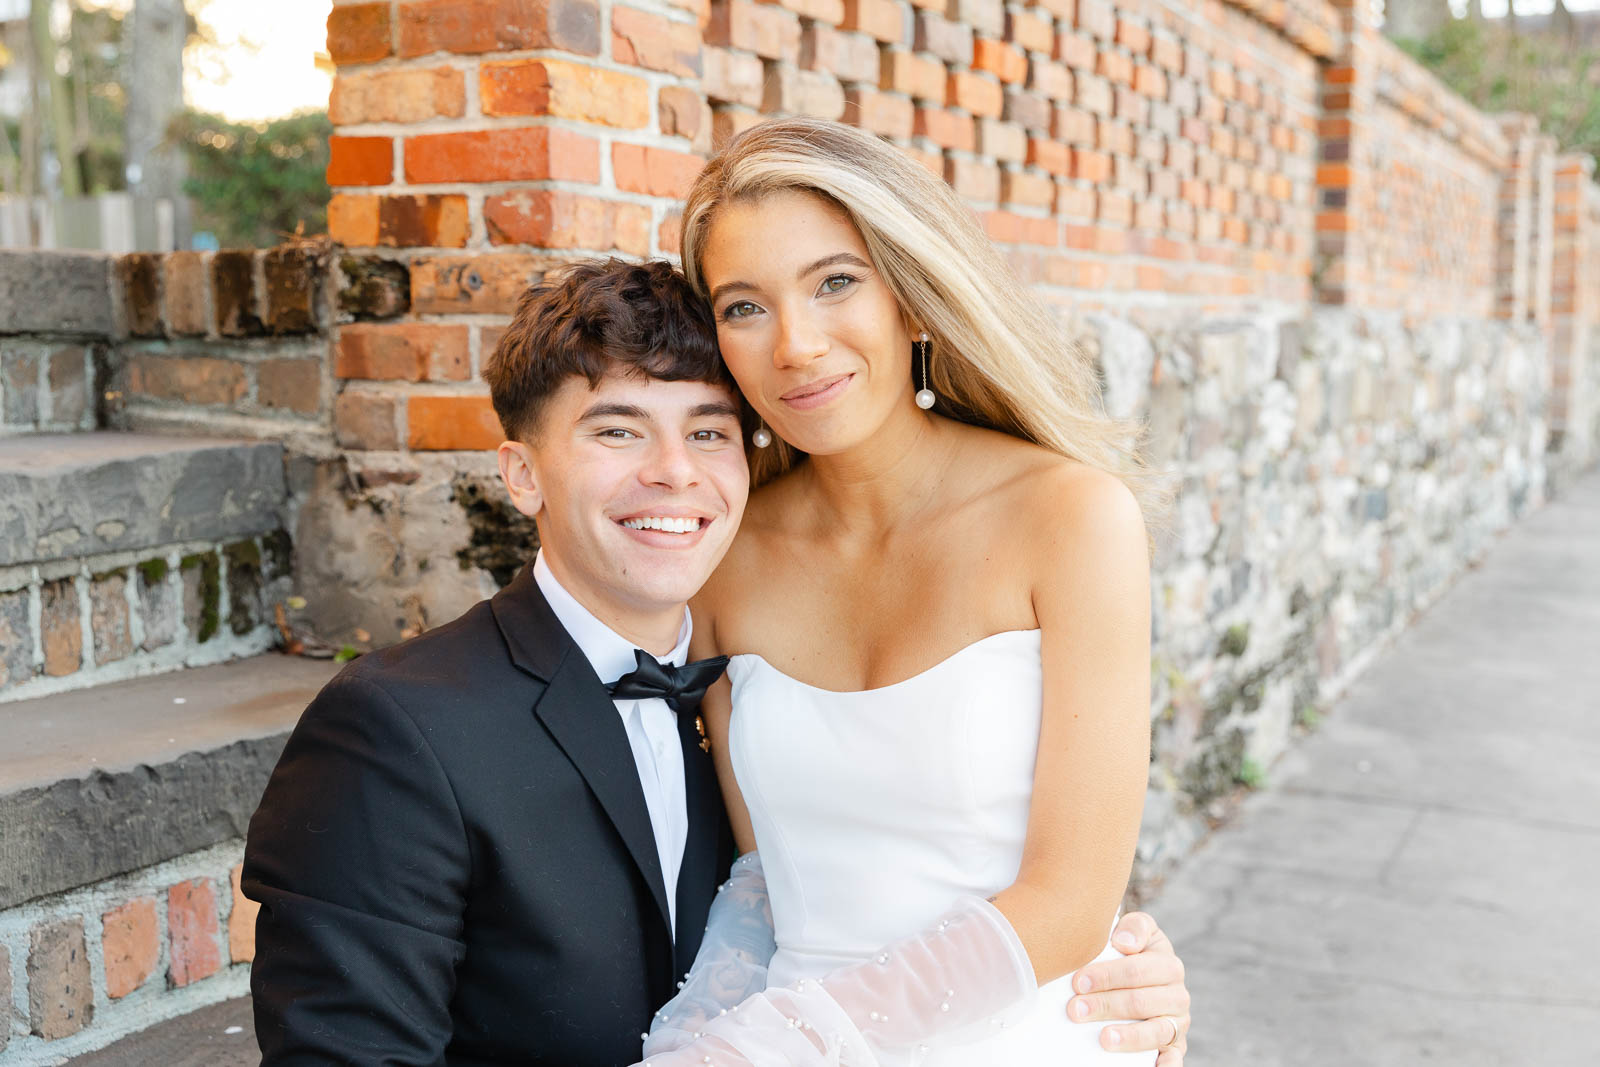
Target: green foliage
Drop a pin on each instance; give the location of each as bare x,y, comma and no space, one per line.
1551,76
254,184
1251,774
346,654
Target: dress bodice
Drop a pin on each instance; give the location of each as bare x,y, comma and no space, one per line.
874,809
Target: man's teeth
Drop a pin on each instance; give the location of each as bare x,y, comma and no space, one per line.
677,526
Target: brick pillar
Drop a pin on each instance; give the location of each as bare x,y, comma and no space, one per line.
1340,270
478,143
1515,239
1573,301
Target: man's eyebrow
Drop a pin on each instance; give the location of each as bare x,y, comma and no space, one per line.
613,410
719,408
825,261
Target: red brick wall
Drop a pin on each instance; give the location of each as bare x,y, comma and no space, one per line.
1122,151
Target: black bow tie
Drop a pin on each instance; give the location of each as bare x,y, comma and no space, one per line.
681,687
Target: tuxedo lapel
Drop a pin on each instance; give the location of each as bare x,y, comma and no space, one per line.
700,849
580,715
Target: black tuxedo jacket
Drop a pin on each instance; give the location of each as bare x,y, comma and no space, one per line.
455,863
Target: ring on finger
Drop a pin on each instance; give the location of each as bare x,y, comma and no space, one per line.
1177,1032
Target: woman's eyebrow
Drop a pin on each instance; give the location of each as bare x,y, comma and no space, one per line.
826,261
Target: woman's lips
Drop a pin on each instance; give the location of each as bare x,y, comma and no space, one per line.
817,393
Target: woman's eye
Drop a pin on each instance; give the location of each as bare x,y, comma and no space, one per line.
837,283
739,309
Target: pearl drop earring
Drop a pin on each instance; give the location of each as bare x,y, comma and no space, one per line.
924,398
762,437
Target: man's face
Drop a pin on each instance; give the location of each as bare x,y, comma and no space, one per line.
637,487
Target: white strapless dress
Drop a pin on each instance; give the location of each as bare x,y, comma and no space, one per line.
874,810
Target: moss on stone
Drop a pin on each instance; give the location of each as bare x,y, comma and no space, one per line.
244,585
115,572
1236,640
279,552
210,592
153,571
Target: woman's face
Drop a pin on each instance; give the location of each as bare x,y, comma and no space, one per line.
808,327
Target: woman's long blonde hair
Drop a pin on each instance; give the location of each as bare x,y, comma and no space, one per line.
999,358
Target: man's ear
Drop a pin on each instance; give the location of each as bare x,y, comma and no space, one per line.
520,476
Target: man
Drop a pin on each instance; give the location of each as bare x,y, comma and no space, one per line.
472,852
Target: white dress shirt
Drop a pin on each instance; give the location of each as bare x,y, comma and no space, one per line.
652,726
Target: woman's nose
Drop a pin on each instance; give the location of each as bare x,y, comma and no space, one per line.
800,340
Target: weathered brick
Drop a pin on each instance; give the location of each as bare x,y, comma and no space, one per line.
828,13
1031,111
360,160
59,628
1090,166
729,122
1050,155
550,218
1073,127
186,295
241,921
290,385
850,57
373,287
974,93
291,273
60,991
489,284
192,932
564,90
423,221
1030,30
642,39
130,945
1093,94
947,129
16,646
452,423
192,379
914,75
358,33
1098,18
1026,189
475,26
685,113
885,114
108,617
158,606
792,91
530,153
1076,50
139,275
1000,59
973,179
883,20
654,171
233,294
1114,67
404,351
1005,142
407,95
987,17
731,77
67,383
1049,78
950,41
353,220
366,421
768,31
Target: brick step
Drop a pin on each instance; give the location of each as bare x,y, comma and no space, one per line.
113,924
127,553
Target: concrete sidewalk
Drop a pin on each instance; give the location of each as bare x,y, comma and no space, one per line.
1420,880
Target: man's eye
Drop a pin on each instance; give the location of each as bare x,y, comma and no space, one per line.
708,435
616,433
837,283
739,309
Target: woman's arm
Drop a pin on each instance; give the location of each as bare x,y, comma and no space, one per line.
1091,596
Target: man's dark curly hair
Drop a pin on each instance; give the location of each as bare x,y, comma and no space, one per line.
600,317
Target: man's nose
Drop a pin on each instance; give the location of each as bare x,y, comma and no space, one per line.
672,463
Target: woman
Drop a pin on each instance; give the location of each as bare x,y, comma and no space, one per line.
937,613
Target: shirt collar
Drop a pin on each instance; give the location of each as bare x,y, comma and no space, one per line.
609,653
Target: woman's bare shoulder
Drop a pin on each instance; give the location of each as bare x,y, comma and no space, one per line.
765,522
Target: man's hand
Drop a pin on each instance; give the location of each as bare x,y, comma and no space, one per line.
1146,984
